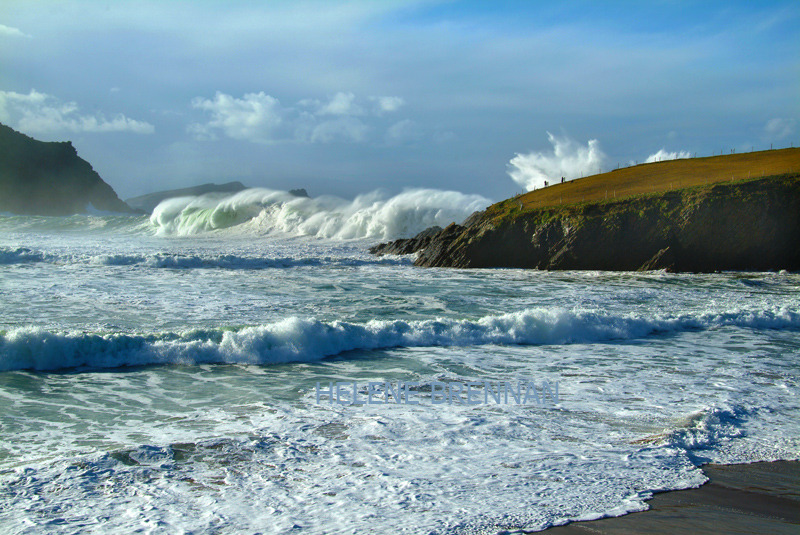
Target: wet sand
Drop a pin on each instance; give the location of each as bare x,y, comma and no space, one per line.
740,498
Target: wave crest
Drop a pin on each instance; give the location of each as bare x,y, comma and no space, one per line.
302,340
266,211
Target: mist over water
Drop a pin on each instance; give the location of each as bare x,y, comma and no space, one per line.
263,211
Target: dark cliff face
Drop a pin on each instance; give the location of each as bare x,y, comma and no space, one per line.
748,225
49,179
407,245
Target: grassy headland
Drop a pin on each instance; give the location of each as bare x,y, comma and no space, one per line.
663,176
735,212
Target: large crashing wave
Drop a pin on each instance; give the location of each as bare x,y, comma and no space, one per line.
266,211
303,340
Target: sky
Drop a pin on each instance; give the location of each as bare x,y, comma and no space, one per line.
349,97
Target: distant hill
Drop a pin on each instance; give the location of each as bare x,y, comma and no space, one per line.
149,201
42,178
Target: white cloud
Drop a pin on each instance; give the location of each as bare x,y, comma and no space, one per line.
569,159
387,104
11,101
662,155
37,113
8,31
260,118
345,104
779,128
255,117
341,104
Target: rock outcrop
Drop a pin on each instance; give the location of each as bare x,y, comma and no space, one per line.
742,226
407,245
299,192
41,178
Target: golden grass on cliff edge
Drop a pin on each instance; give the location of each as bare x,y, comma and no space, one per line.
664,176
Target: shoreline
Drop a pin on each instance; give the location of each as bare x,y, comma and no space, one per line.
760,497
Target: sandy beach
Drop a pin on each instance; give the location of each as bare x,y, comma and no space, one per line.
742,498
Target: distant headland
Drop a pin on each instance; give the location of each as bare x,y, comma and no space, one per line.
148,202
735,212
151,200
44,178
49,178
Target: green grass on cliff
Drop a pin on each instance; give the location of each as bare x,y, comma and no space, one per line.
654,178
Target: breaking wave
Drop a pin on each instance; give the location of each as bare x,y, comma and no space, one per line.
708,428
302,340
267,211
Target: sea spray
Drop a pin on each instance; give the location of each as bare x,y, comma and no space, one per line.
264,211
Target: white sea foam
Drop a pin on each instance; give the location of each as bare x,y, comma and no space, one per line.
657,372
266,211
300,340
327,473
708,428
24,255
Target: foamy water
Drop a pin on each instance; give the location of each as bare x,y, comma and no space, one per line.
266,211
153,381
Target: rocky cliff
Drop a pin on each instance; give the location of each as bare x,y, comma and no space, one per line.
744,225
50,179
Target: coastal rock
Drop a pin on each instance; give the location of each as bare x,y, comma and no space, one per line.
299,192
41,178
742,226
407,245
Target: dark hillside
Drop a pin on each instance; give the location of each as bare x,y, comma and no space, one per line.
44,178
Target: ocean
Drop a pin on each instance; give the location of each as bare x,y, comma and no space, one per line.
192,372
